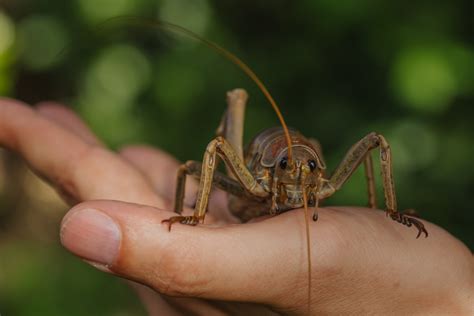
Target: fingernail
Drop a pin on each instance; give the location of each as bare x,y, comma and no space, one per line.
92,235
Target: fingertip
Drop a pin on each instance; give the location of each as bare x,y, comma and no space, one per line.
128,240
92,235
196,261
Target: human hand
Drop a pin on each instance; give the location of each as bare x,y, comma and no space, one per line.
362,261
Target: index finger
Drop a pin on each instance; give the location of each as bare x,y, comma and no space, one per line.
81,170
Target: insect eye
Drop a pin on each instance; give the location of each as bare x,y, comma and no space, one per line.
283,163
312,164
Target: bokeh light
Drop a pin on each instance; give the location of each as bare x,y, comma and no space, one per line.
192,14
121,70
7,55
455,157
176,84
414,145
7,33
424,80
41,40
111,85
5,82
95,11
461,59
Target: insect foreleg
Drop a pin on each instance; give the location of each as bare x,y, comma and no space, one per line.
218,147
353,159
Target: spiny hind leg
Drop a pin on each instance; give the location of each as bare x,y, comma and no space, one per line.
354,158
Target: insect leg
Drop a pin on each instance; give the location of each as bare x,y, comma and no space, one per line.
194,168
232,123
183,171
218,147
353,159
369,176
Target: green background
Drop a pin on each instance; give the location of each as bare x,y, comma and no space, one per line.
338,69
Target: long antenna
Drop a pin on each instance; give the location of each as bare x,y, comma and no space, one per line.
230,56
308,248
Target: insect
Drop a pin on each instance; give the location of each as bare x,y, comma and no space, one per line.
271,176
280,169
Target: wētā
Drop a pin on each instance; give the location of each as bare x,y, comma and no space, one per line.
271,177
280,169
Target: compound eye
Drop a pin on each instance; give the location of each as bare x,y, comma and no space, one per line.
283,163
312,164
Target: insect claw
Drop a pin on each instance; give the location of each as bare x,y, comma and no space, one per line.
188,220
421,230
408,221
419,225
170,221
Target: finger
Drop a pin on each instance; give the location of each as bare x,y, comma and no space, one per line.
265,262
154,303
69,120
80,170
262,262
161,169
196,261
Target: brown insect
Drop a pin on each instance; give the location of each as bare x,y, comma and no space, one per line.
271,176
280,169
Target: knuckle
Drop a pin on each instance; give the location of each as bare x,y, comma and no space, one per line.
67,178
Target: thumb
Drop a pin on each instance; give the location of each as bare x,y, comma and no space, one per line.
256,262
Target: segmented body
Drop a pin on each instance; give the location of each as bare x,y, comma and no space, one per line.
261,157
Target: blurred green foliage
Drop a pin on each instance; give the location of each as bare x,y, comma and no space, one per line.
338,69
